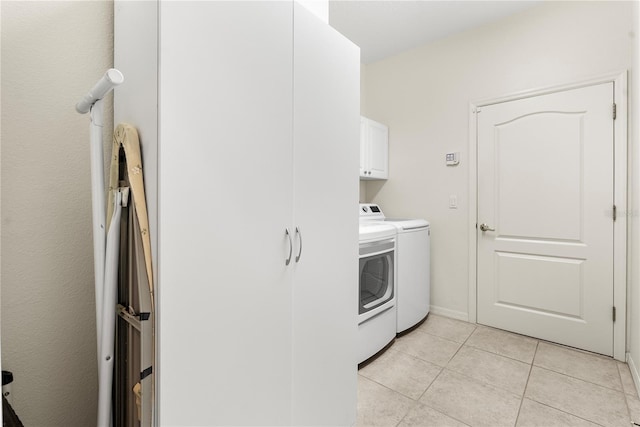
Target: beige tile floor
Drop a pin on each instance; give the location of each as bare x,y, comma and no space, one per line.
453,373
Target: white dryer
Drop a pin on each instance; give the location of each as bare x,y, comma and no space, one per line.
376,288
413,285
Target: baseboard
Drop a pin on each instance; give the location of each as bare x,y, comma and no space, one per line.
454,314
634,372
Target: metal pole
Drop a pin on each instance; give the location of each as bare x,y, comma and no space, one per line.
105,367
99,211
92,102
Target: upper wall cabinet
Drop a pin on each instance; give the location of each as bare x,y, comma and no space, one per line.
374,149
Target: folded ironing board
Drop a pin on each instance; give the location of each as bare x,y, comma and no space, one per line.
134,354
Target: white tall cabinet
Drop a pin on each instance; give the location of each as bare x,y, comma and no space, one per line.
241,106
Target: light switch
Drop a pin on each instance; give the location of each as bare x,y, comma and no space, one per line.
453,202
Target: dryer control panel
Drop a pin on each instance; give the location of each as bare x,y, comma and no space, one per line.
370,211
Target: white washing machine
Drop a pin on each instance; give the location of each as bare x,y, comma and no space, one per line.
413,285
377,294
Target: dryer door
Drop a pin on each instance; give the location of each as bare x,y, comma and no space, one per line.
376,275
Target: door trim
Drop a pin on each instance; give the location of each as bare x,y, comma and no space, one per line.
620,253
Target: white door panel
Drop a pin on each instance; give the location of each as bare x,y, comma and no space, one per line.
326,133
545,185
532,290
526,207
219,268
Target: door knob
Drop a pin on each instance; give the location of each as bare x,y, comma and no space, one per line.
485,227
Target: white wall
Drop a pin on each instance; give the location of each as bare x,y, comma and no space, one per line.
424,94
52,53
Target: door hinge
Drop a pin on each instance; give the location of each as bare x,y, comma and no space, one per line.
615,212
614,313
615,113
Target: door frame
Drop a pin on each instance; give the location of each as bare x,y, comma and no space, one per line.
620,254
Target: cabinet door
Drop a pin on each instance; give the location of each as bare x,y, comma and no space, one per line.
378,150
326,136
364,151
225,159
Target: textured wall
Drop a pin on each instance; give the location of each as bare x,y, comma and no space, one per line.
52,53
424,94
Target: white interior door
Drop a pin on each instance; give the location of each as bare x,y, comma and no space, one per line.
546,188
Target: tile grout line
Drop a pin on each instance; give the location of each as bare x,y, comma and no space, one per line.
389,388
460,346
580,379
430,384
584,381
441,337
588,353
440,412
476,380
527,383
537,340
414,402
475,327
484,351
624,390
469,378
531,365
626,401
450,359
498,355
493,353
430,361
431,407
441,368
565,412
405,415
458,349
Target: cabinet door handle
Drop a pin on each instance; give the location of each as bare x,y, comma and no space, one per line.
299,233
288,233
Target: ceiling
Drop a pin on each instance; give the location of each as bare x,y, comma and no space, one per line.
384,28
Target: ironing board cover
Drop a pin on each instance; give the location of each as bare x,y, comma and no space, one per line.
126,136
135,346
